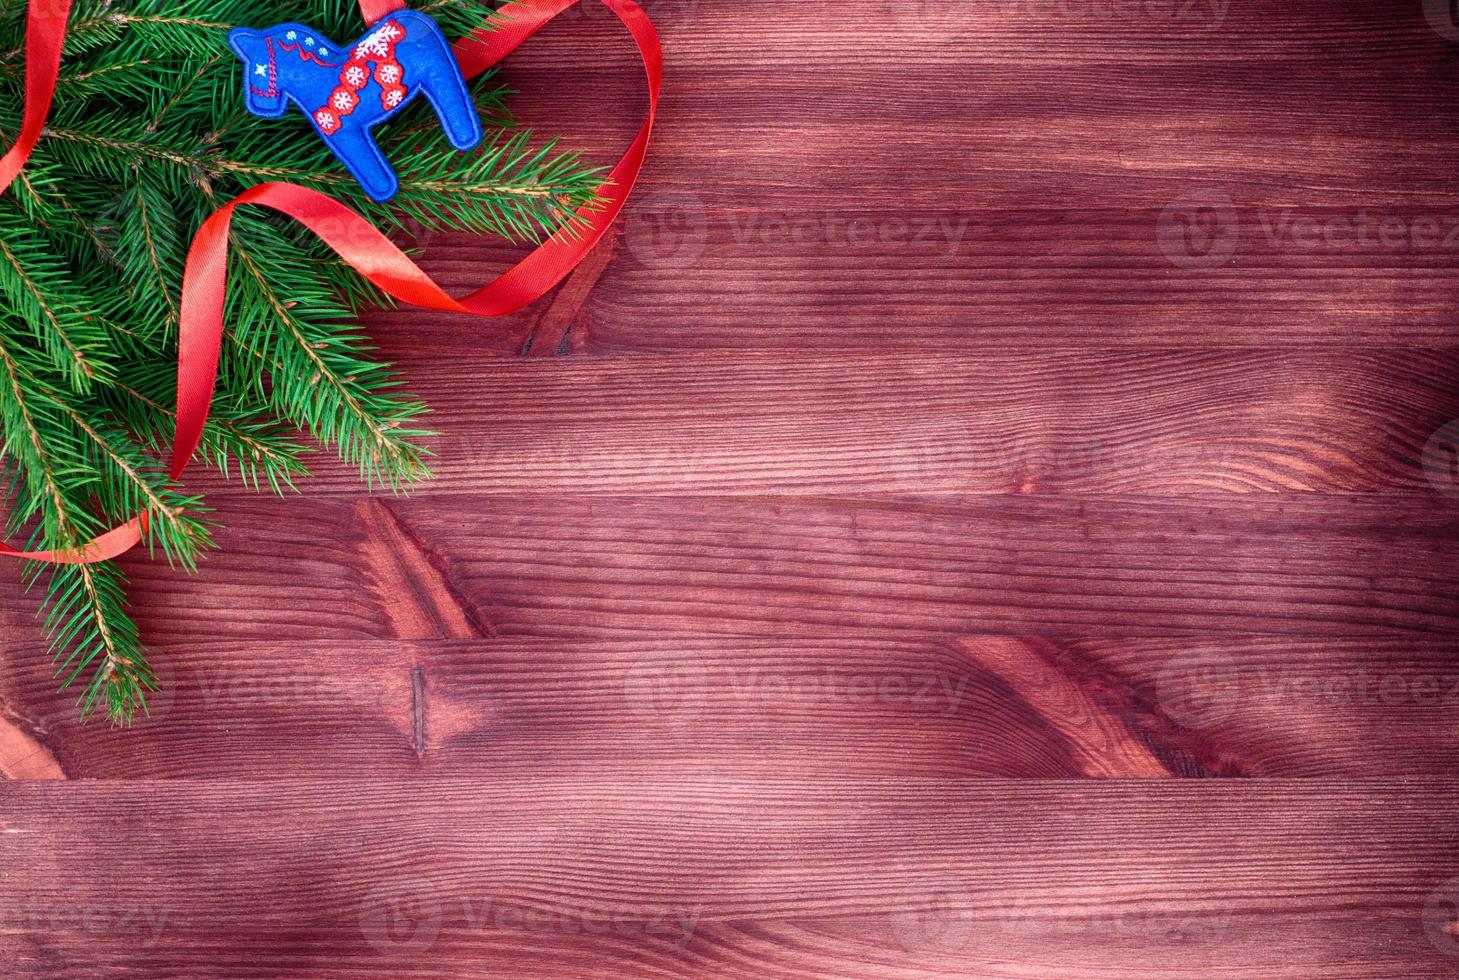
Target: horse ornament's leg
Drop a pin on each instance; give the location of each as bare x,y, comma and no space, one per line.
356,149
439,79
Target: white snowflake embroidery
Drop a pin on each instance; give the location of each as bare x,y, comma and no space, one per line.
309,42
355,76
377,43
292,35
392,99
260,70
389,74
324,51
341,101
325,118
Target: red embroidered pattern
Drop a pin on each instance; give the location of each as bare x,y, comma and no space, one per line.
306,55
273,73
378,46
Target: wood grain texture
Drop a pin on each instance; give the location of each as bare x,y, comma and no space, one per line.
989,706
1037,422
973,521
615,567
967,174
712,875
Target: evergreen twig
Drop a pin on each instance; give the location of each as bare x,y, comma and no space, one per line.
146,137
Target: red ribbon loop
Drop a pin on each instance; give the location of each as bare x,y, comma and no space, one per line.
45,32
355,240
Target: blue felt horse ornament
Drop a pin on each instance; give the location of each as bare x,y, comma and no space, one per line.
345,90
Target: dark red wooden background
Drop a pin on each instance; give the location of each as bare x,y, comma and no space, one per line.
973,521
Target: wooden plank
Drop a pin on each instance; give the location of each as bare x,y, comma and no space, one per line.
613,567
1035,422
849,582
1203,705
1080,102
716,876
575,566
971,175
1071,279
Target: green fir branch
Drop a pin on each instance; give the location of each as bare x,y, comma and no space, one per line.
146,138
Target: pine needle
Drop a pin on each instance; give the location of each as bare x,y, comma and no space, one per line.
147,136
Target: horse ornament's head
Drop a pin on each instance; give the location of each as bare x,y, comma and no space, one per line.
260,54
275,57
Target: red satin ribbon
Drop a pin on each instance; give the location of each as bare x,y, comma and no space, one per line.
355,240
45,32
